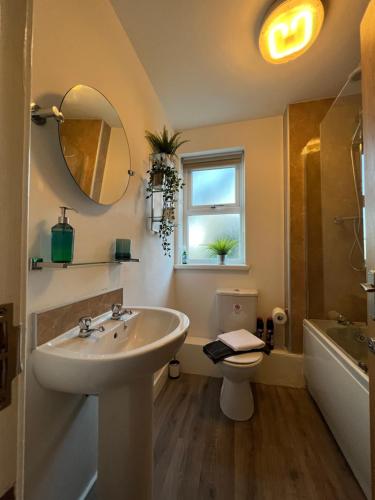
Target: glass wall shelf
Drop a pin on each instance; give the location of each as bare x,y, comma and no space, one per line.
36,264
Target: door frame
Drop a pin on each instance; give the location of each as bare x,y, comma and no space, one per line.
28,5
18,15
368,95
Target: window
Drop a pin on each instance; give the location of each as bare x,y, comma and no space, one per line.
213,206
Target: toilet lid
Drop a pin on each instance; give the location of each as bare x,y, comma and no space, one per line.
246,358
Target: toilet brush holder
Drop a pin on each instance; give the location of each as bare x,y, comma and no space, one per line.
174,369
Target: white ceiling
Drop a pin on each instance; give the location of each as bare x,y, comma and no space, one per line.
202,57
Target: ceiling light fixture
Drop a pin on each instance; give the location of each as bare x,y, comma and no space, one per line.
289,29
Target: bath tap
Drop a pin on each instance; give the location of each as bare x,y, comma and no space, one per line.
85,329
118,310
341,320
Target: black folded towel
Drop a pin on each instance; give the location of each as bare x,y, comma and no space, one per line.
217,351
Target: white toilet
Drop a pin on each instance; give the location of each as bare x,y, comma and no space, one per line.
236,309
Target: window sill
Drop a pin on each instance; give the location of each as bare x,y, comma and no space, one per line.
211,267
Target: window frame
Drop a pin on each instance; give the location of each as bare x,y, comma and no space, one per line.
233,159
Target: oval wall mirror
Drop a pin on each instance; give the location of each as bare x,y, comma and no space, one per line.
94,144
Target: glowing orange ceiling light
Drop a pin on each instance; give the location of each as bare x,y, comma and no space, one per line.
290,28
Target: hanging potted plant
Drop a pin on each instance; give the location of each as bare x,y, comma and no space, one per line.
222,247
164,147
163,177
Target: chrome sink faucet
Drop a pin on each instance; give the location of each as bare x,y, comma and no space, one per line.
85,329
118,310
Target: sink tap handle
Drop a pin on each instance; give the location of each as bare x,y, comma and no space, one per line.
118,310
85,329
85,323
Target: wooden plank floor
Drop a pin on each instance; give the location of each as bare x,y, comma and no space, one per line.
284,452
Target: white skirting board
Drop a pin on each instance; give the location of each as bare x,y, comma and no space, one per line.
280,368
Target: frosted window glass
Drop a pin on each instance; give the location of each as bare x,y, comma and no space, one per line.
216,186
204,229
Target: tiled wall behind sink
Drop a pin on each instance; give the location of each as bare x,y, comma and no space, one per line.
53,322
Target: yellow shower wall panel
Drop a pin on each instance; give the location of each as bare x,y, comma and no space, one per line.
313,235
302,124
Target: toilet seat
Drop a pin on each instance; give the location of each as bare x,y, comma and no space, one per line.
247,358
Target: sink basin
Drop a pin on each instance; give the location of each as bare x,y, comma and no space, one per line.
117,364
139,344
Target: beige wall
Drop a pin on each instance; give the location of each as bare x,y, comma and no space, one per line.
263,146
342,292
83,42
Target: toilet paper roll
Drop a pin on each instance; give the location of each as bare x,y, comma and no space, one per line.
279,316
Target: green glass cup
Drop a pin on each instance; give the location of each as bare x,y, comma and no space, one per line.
122,249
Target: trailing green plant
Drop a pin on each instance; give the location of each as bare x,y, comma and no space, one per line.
166,229
164,142
222,246
163,177
171,181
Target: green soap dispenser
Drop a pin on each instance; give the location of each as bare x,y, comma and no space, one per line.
62,244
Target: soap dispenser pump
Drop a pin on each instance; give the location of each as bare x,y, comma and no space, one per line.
62,244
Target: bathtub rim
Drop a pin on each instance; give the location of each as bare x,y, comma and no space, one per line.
341,356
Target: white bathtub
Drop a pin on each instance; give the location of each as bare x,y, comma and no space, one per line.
341,390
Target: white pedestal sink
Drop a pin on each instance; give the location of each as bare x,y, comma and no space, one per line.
118,365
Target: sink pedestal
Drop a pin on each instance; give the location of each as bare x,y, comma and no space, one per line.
125,441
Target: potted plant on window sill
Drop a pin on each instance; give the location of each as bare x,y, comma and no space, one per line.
163,177
222,247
